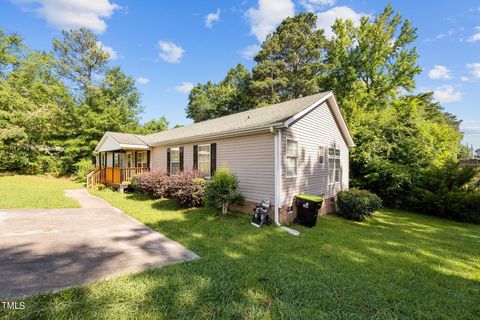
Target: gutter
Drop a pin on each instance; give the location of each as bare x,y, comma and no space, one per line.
277,133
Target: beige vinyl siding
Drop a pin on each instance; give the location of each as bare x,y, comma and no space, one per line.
251,157
316,128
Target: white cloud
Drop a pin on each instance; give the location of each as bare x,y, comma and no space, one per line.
313,5
474,69
327,18
250,51
471,127
112,53
439,72
185,87
72,14
211,18
170,52
463,78
446,94
142,80
268,16
476,36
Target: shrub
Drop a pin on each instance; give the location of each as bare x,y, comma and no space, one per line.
154,183
221,190
356,204
83,168
448,192
188,188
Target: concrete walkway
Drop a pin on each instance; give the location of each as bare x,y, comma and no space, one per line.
50,249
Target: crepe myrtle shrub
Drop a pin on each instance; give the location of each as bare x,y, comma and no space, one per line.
154,183
221,190
187,187
356,204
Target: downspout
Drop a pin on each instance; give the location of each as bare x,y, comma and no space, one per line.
277,175
277,134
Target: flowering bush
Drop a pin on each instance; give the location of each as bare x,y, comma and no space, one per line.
154,183
187,187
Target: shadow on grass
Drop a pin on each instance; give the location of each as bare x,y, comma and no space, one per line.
396,265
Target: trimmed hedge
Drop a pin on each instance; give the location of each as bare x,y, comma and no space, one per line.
356,204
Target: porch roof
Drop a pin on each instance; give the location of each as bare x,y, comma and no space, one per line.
112,141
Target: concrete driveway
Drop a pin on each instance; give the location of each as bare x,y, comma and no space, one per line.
49,249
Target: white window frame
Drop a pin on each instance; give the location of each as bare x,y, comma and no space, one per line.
321,154
207,175
334,157
287,156
143,163
177,149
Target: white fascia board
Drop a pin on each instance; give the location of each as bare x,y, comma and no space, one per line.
134,146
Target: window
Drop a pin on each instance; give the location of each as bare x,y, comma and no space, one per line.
334,170
321,155
118,160
174,160
129,160
141,159
102,160
204,160
292,157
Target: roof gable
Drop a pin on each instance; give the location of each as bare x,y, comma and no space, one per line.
117,141
337,115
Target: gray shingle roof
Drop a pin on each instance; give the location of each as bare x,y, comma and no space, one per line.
127,138
251,119
239,121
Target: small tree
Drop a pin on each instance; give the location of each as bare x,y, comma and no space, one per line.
221,190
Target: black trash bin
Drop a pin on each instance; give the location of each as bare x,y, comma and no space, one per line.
307,209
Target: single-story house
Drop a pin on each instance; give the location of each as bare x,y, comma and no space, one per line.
277,151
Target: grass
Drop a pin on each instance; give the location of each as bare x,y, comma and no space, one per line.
397,265
35,192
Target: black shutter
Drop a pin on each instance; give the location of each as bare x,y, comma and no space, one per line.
148,159
213,158
168,160
195,157
181,158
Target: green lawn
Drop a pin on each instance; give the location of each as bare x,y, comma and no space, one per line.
397,265
36,192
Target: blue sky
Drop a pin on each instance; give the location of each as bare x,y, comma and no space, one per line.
170,45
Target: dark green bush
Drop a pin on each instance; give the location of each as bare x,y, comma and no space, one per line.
356,204
448,192
221,190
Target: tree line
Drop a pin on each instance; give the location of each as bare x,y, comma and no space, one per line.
55,106
371,69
